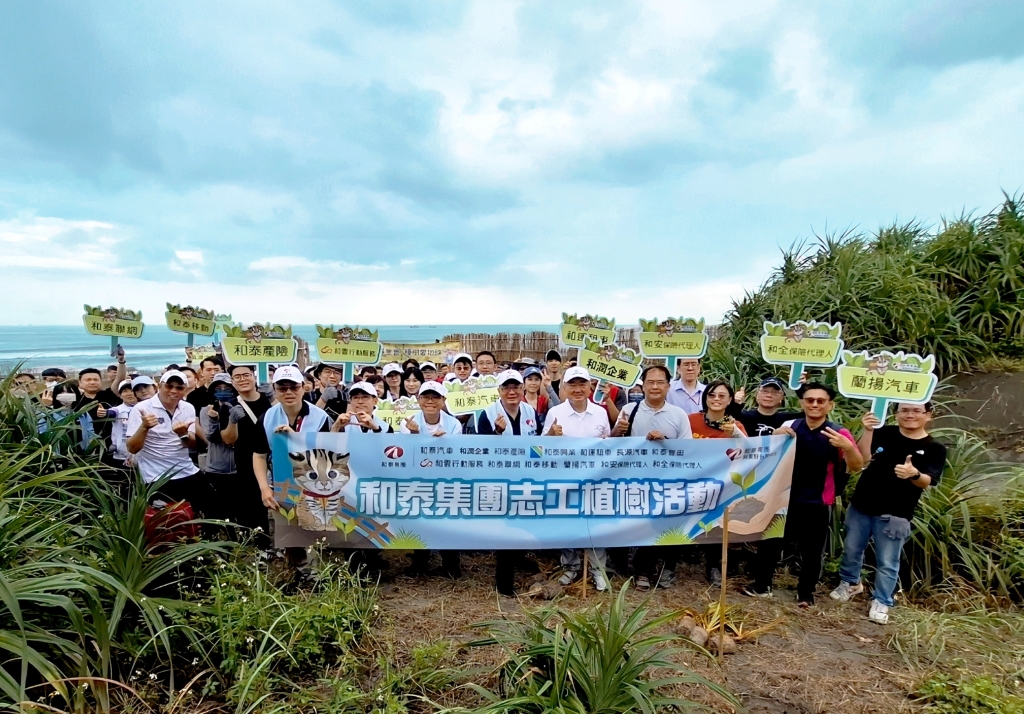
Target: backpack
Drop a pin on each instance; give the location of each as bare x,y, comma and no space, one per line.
170,523
630,419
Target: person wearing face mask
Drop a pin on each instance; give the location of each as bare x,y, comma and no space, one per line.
220,457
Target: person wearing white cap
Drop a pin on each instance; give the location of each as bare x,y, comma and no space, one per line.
143,387
362,400
578,416
462,366
392,373
291,413
161,430
429,371
431,418
510,415
118,456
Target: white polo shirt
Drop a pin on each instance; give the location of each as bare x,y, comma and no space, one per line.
689,402
593,422
163,451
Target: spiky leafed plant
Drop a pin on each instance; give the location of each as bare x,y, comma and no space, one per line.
601,660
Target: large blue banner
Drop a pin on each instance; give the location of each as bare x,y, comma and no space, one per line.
495,492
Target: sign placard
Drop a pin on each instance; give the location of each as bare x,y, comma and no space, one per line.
887,377
473,395
574,328
259,344
190,320
683,338
112,322
611,363
802,343
394,413
347,345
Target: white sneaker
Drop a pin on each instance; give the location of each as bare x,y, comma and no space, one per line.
568,577
600,582
878,613
846,592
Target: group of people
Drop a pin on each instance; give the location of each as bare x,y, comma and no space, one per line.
209,428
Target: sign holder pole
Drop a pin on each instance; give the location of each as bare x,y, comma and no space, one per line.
725,570
795,373
349,367
263,375
879,407
671,363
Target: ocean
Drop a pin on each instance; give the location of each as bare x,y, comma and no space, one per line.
70,346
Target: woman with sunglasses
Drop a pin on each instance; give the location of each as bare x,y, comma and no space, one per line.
712,422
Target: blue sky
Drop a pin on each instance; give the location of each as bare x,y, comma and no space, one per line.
494,162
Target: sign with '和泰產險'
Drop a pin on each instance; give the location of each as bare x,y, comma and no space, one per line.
259,344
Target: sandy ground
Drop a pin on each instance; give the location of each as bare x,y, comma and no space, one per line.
827,659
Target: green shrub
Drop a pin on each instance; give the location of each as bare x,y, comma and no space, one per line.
979,695
598,660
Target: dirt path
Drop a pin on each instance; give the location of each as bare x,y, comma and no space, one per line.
828,659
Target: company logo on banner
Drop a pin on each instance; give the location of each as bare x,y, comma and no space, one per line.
396,491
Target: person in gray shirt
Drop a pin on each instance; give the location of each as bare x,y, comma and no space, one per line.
220,457
656,420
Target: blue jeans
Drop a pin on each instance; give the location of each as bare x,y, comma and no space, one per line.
860,529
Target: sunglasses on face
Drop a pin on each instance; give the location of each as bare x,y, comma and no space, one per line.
175,387
288,387
815,400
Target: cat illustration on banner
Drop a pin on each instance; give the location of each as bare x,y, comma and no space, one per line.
320,475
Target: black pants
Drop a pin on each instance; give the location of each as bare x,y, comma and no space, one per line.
239,499
195,489
645,559
505,562
451,562
807,529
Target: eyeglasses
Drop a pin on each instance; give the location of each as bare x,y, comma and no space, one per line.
509,387
815,400
656,383
291,387
911,412
174,387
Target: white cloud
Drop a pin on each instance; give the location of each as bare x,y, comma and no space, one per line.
293,262
189,256
49,243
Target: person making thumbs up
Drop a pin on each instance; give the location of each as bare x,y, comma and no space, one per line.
160,431
578,416
904,461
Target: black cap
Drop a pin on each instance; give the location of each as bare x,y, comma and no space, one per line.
55,372
772,382
553,354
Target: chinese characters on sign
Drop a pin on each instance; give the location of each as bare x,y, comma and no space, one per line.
239,350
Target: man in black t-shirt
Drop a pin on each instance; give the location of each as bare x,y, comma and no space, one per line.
241,489
905,460
764,420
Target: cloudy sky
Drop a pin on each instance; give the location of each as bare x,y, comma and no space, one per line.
494,162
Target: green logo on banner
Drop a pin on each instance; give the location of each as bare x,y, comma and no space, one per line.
673,337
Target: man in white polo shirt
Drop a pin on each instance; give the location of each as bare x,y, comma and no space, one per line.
578,416
655,420
161,430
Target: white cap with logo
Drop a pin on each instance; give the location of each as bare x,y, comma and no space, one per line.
435,387
288,373
391,367
462,357
173,374
576,373
509,375
364,387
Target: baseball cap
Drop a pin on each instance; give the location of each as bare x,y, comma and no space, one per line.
173,374
428,364
772,382
526,362
321,365
435,387
287,373
142,380
391,367
462,356
553,354
531,371
55,372
576,373
450,377
124,383
221,377
509,375
364,387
